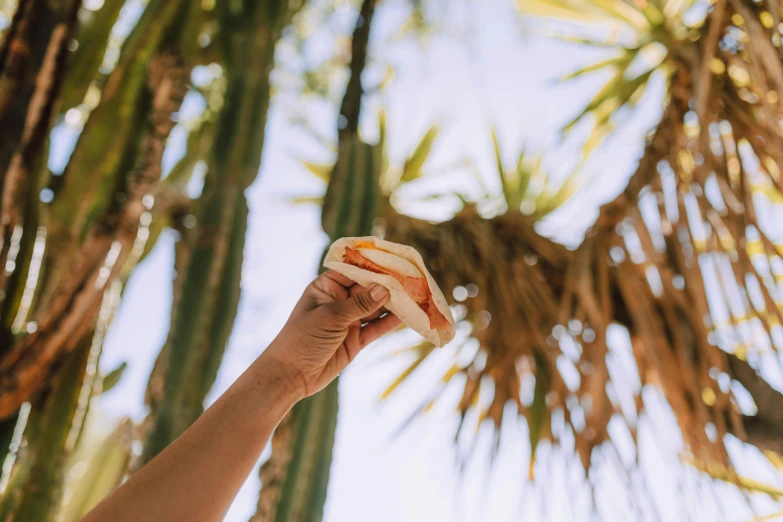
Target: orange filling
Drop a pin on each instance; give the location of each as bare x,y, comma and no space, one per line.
416,287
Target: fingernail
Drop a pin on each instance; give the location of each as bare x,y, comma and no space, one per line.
377,292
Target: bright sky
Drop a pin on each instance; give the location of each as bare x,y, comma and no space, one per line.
485,68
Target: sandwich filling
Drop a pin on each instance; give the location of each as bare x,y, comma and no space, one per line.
412,280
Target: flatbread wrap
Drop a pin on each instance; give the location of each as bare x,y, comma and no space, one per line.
414,296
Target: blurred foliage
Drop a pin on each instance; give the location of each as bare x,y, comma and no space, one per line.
641,39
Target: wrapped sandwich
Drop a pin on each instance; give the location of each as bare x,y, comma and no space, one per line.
414,296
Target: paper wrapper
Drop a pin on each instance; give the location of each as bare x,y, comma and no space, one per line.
400,303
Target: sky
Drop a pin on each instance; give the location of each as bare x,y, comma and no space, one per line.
484,68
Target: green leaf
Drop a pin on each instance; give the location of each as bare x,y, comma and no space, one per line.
113,377
621,61
615,94
499,165
479,180
653,15
548,202
382,128
308,200
523,177
413,165
104,464
608,91
382,148
585,41
557,9
620,10
538,413
423,350
321,171
591,11
498,155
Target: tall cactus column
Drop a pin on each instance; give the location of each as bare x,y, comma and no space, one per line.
207,292
294,480
56,417
32,63
93,221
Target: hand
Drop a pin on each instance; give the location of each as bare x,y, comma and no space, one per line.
331,323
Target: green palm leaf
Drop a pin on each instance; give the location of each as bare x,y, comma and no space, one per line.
649,25
413,165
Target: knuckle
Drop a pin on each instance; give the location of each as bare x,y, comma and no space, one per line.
334,314
326,313
364,302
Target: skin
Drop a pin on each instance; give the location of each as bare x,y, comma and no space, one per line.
198,475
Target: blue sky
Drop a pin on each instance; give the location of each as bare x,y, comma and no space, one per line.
485,67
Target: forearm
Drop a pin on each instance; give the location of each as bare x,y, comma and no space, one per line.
198,475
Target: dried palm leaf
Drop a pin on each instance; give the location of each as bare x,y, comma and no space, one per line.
686,258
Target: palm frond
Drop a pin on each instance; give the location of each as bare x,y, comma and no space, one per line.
650,27
727,475
616,12
528,187
319,170
412,169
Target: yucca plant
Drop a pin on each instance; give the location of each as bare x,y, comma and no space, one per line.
690,222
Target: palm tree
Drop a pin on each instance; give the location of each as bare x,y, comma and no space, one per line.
686,239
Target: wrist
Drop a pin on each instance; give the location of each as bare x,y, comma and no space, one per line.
293,385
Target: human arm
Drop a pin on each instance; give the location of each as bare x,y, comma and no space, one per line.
198,475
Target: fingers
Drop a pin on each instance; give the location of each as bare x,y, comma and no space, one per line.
357,338
375,315
359,306
327,287
360,336
378,328
338,278
356,289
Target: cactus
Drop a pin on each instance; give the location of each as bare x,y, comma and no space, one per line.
294,480
36,479
84,226
57,417
101,160
207,292
59,404
105,469
32,61
93,38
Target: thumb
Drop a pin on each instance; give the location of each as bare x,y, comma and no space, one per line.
360,305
